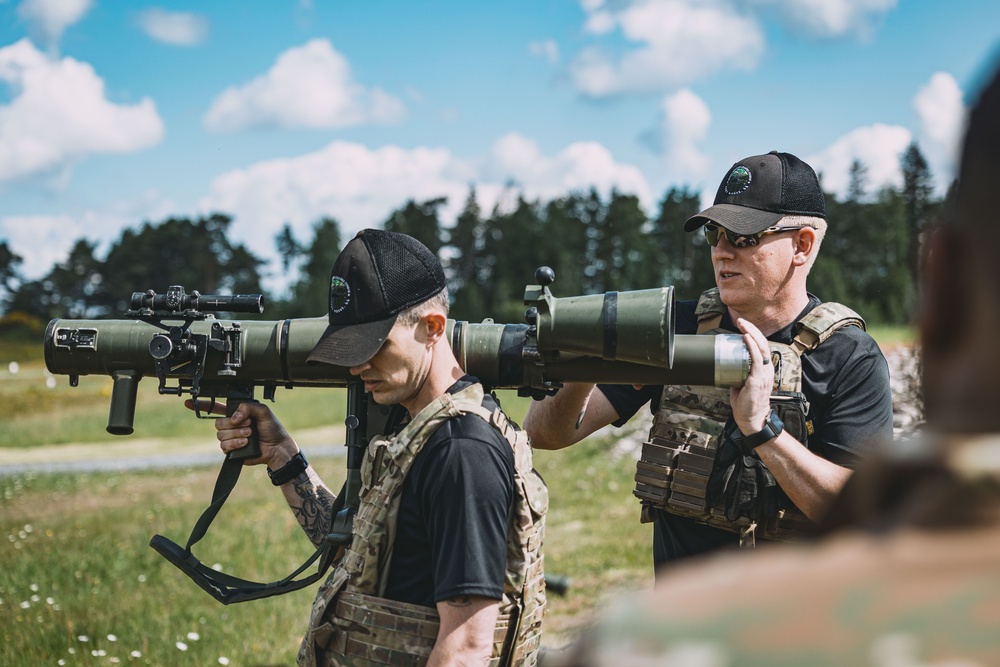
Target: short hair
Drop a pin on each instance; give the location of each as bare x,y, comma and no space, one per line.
816,223
412,315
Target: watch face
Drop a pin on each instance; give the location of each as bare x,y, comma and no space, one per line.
774,422
773,426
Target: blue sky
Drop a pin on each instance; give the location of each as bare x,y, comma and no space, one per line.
117,112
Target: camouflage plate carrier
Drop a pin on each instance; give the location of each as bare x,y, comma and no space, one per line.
351,624
675,464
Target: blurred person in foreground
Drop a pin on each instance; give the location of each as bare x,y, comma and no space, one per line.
729,467
906,571
445,565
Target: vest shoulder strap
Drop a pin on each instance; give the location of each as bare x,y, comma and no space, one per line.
814,328
820,323
709,310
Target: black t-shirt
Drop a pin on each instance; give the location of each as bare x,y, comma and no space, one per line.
845,379
451,535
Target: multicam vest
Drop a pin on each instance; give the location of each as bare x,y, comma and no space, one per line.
352,624
673,471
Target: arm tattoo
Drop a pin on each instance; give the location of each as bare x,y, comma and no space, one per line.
460,601
314,506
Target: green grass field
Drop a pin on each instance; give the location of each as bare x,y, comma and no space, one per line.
78,581
80,586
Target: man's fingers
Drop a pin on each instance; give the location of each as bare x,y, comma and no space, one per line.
207,406
754,348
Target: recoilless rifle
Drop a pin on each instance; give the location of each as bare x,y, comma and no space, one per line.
612,338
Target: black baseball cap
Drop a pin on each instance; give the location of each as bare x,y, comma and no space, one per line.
377,275
759,191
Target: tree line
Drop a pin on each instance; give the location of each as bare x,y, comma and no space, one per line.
868,261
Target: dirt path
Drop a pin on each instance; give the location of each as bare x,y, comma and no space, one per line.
141,453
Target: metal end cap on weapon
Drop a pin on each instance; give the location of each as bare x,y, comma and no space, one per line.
732,361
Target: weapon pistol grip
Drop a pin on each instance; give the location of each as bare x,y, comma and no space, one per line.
252,448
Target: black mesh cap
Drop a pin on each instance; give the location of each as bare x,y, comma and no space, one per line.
759,191
378,275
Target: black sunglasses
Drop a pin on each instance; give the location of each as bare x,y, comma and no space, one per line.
714,232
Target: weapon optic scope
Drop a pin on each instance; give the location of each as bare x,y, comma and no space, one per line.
177,302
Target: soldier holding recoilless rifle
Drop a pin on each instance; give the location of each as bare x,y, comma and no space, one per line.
444,565
906,569
728,466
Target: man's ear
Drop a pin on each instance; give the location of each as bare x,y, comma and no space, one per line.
944,291
435,326
805,245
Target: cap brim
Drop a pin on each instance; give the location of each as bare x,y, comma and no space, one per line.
351,345
741,219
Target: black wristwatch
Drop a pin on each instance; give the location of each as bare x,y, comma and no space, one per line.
289,471
773,427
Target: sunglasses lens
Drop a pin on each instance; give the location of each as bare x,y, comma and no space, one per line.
714,232
712,235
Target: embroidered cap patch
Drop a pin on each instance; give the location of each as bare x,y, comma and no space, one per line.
340,294
738,181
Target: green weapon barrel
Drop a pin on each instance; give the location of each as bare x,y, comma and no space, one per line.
615,338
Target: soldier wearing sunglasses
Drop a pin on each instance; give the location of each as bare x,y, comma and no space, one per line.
731,467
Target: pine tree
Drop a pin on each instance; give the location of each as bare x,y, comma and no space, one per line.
917,197
467,268
684,258
419,220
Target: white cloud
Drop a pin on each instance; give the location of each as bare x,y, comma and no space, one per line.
308,86
360,187
176,28
547,50
676,42
45,240
49,18
686,119
42,240
878,147
579,166
672,43
828,18
357,186
942,116
60,114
